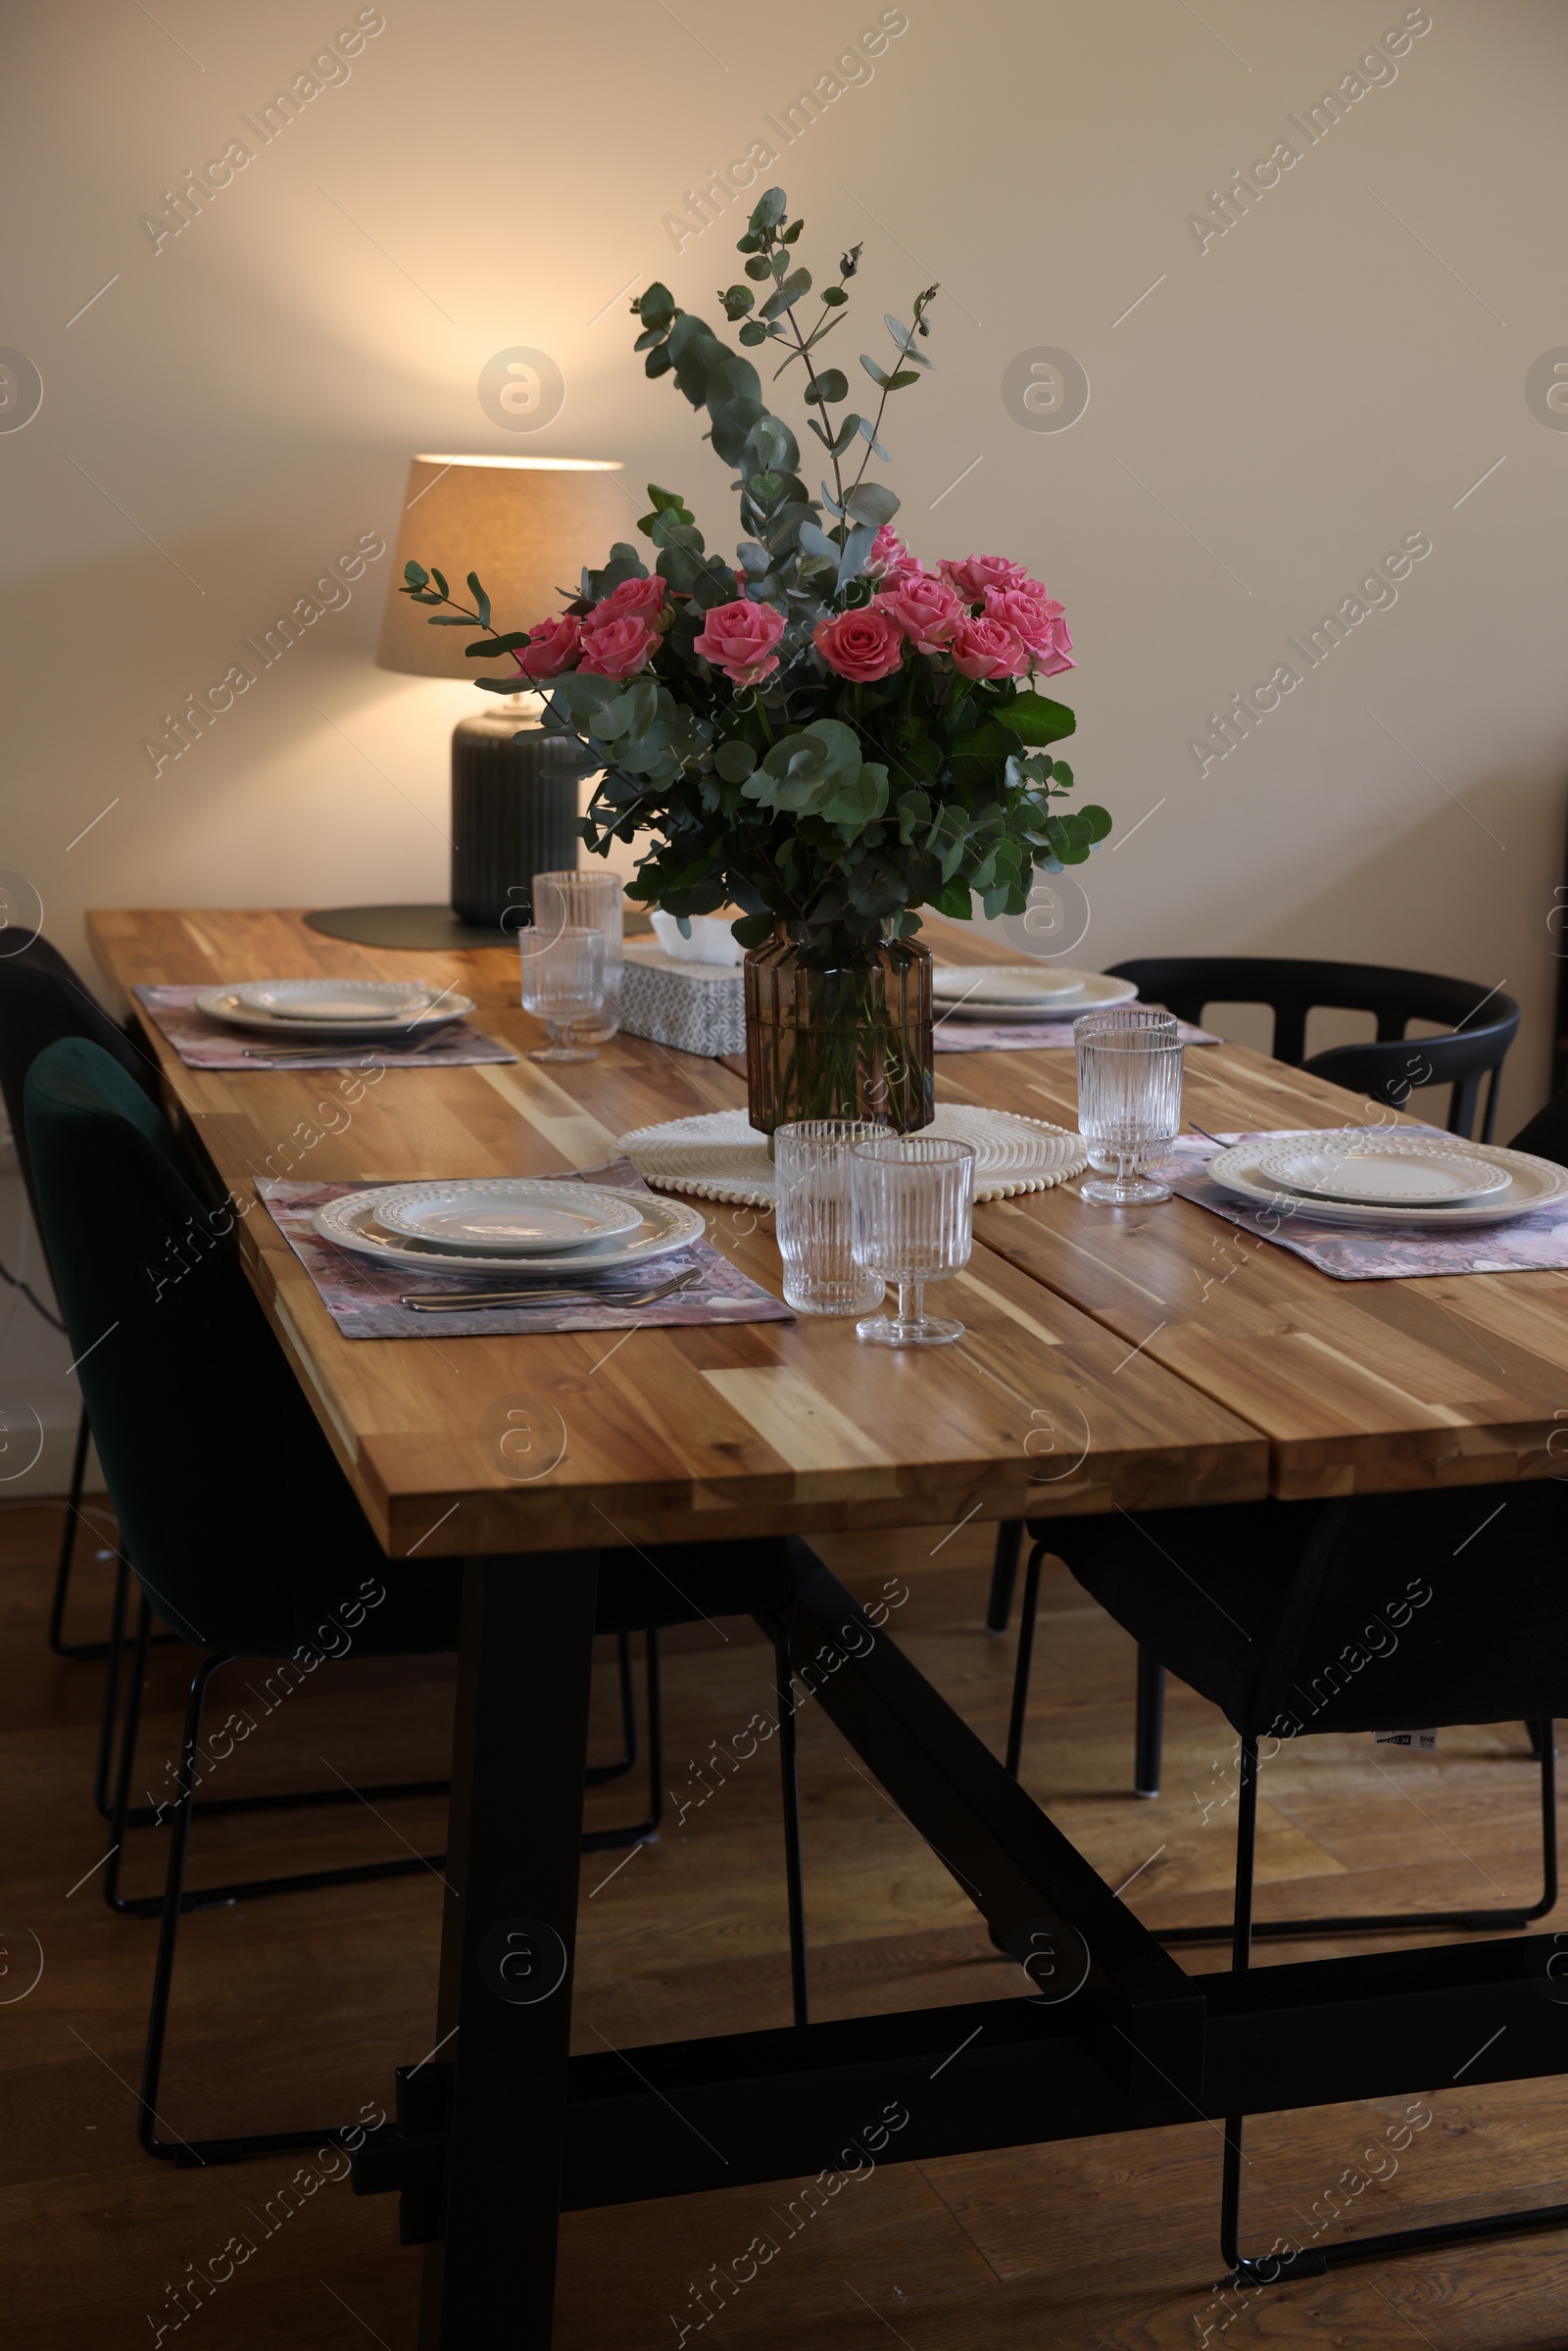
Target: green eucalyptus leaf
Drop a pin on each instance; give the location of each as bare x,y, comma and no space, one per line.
760,267
752,930
737,301
831,384
791,290
657,306
877,375
870,501
753,331
835,297
734,760
1099,821
415,574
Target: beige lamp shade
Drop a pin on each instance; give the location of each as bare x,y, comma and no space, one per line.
525,524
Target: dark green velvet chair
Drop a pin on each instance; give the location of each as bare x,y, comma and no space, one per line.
243,1534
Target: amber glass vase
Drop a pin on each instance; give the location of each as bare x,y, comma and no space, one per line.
839,1027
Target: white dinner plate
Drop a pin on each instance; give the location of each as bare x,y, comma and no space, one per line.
1082,992
1389,1171
1003,983
1534,1183
499,1216
333,1009
662,1225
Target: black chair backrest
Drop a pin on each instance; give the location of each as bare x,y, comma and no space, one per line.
41,1000
1546,1134
1388,1070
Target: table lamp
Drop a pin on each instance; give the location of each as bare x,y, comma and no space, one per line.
526,526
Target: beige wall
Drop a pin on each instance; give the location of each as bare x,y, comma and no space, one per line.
1289,403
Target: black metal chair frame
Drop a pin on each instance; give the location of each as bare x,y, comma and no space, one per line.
123,1815
1391,1068
176,1901
1151,1717
1313,2261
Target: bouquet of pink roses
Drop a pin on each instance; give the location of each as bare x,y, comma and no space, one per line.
831,735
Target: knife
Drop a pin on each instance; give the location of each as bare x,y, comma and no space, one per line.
449,1302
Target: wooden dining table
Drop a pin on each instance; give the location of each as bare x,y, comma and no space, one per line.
1113,1360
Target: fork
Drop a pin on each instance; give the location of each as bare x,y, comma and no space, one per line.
334,1052
446,1301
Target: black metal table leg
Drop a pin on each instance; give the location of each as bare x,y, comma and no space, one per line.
519,1747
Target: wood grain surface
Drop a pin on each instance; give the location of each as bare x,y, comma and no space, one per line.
1040,1409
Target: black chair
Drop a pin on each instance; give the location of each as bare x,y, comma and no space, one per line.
1354,1615
1388,1070
263,1580
41,1000
1546,1136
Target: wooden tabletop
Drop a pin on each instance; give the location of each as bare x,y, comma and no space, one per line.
1040,1409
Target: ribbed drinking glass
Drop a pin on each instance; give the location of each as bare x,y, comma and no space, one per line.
914,1200
814,1216
589,902
563,986
1129,1098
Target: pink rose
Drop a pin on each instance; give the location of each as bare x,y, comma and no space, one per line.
617,648
633,600
924,608
890,560
1038,621
739,639
861,646
973,574
552,645
988,648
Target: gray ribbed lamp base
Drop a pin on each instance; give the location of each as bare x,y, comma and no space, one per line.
514,814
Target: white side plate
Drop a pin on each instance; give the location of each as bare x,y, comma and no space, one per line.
1534,1183
663,1226
502,1216
1390,1173
1092,992
333,1009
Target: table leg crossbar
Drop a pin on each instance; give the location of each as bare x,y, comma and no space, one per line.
1113,2037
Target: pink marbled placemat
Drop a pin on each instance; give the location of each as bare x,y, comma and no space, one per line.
1533,1244
203,1044
362,1296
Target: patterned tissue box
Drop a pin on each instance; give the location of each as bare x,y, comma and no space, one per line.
696,1008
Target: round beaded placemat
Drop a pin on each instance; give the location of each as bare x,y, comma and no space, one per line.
720,1156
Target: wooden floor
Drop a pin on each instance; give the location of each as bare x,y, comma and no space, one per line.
299,2008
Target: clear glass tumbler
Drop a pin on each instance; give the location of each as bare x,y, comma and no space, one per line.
589,902
1129,1098
913,1197
814,1216
563,986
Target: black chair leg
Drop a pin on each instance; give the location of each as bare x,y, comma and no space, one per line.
777,1629
643,1831
186,2153
1313,2261
68,1544
1003,1574
1395,1922
1026,1650
598,1773
1150,1724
